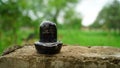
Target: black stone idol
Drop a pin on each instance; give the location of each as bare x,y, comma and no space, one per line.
48,43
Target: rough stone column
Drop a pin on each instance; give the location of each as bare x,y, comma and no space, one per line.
69,57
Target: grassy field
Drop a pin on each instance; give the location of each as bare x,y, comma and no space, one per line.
72,37
89,38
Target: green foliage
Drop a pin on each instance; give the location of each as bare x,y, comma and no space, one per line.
56,7
72,19
8,14
109,16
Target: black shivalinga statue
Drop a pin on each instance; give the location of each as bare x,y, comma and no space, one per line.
48,43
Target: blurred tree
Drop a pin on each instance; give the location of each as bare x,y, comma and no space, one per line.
109,17
54,8
72,19
11,17
20,12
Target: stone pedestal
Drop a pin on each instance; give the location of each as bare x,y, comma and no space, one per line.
69,57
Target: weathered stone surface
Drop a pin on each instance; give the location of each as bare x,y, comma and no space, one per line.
69,57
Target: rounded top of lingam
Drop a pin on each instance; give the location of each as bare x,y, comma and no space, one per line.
47,24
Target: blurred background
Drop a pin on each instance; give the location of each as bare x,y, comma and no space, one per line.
79,22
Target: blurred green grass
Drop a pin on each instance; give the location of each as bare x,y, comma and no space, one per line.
68,36
89,38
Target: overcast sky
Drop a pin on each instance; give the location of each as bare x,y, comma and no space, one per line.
90,9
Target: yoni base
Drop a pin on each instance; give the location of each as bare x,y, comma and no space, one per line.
48,48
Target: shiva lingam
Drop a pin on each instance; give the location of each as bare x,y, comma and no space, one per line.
48,43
